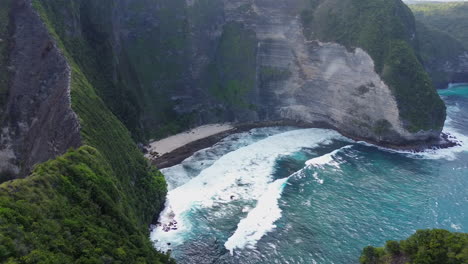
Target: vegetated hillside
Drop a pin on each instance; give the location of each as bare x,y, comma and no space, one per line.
443,40
446,17
93,204
386,30
76,210
435,246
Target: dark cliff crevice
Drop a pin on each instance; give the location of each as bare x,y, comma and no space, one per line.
38,122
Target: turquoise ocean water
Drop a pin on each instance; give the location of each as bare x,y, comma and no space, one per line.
287,195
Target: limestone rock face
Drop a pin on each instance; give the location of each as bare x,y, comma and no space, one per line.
38,123
321,82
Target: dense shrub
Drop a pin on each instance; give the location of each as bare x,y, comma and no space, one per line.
435,246
73,210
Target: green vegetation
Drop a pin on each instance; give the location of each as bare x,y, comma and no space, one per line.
234,70
272,74
92,51
133,75
417,99
93,205
443,35
74,210
384,29
157,58
435,246
436,48
451,18
4,44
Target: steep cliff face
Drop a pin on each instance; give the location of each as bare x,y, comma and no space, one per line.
38,122
365,96
444,57
166,65
92,204
443,41
161,66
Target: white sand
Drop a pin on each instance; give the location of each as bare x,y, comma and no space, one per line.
174,142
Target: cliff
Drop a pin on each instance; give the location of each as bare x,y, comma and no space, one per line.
83,80
166,65
92,204
37,120
443,41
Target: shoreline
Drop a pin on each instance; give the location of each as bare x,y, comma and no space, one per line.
179,154
169,144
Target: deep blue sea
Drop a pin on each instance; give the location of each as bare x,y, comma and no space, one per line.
288,195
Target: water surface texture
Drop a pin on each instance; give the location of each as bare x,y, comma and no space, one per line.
286,195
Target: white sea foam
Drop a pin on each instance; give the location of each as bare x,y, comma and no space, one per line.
327,159
202,159
261,219
458,136
447,153
435,154
243,174
316,177
456,227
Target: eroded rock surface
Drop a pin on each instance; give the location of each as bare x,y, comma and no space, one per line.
38,122
318,81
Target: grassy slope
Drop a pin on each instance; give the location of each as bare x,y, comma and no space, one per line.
424,247
92,205
385,30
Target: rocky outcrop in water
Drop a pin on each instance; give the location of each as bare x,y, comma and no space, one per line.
38,123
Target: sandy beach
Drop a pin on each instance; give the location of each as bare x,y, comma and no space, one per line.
173,150
169,144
